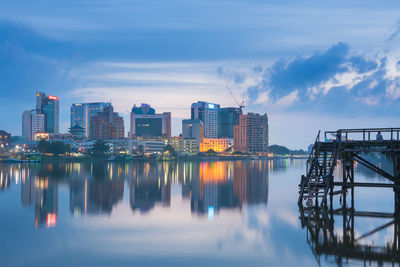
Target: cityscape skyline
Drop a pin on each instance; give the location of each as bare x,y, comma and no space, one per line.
298,73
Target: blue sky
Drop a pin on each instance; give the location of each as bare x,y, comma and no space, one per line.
309,64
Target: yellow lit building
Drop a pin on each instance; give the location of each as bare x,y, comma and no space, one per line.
41,136
216,144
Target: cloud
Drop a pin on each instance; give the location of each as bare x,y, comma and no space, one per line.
324,81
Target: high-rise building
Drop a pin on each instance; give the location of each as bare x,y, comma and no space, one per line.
251,135
228,117
106,125
32,123
27,124
82,112
208,114
49,107
193,129
146,123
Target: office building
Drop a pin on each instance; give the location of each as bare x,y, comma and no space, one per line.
81,114
145,123
208,114
106,125
5,138
228,118
193,129
251,135
49,107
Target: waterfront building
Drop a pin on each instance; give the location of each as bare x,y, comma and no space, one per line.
228,118
216,144
251,135
81,114
184,146
145,123
208,114
193,129
5,138
50,108
146,146
106,125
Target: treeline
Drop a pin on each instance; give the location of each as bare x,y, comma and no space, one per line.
55,148
282,150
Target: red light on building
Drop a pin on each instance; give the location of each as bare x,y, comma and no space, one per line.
51,220
51,97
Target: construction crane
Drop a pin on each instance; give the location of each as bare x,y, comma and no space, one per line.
241,105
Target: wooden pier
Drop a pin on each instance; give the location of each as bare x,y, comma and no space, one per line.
318,186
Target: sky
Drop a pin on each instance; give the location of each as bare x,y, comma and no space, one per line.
310,65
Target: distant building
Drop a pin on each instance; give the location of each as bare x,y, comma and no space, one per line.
49,107
216,144
106,125
146,146
145,123
27,124
32,123
208,114
184,146
251,135
77,131
193,129
81,114
5,138
228,118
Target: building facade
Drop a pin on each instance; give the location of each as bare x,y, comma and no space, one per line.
193,129
32,123
50,108
215,144
82,112
251,135
228,118
184,146
106,125
145,123
208,114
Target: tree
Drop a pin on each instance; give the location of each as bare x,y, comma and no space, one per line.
99,148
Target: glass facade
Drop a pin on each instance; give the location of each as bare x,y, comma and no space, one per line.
148,127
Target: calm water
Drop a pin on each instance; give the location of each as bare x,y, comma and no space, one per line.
168,214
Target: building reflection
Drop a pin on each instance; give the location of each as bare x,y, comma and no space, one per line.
98,188
42,193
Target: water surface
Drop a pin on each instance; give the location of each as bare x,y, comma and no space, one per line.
229,213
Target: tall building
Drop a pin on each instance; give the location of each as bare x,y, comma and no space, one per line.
106,125
32,123
82,112
193,129
251,135
146,123
227,119
208,114
50,108
27,124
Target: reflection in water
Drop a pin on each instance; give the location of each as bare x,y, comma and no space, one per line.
97,188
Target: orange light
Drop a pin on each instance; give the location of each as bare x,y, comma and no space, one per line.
51,97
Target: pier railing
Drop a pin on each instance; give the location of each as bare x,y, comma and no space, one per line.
367,134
